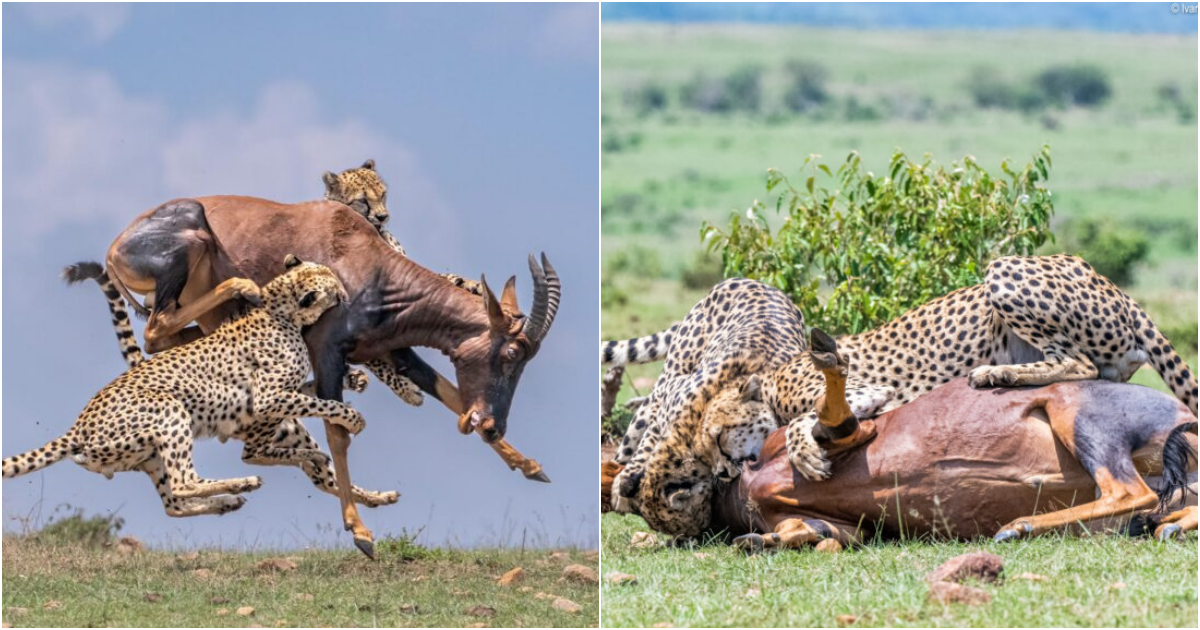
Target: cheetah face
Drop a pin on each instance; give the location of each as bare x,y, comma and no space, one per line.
362,189
737,422
305,291
678,500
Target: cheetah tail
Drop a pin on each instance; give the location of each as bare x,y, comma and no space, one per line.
639,350
126,341
38,459
1169,365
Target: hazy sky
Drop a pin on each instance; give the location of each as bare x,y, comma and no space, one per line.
482,119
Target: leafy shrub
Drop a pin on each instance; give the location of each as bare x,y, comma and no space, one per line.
635,260
704,272
1080,85
1113,249
991,91
741,90
647,97
77,529
405,548
874,247
806,86
616,424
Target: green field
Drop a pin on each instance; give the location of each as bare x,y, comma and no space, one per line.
74,585
1130,162
1100,581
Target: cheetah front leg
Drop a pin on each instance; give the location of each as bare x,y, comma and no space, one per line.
280,405
292,445
385,370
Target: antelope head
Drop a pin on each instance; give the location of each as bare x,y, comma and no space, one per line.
489,365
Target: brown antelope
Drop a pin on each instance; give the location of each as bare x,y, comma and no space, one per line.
196,259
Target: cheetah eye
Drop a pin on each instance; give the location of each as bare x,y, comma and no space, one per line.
308,299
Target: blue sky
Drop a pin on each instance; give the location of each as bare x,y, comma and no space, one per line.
482,118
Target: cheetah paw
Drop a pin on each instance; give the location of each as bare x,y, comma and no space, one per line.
352,421
805,456
992,376
376,499
356,381
246,484
227,504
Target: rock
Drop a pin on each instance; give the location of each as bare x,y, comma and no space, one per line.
951,593
643,540
526,589
980,565
153,598
481,611
581,574
592,555
221,612
217,601
559,556
829,545
845,620
566,605
541,595
245,611
1032,577
202,573
5,625
276,565
410,609
512,577
621,579
53,604
128,545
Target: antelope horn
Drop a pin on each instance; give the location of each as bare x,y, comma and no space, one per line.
547,290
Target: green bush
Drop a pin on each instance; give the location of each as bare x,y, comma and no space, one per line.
704,272
616,424
1112,249
740,90
405,548
872,247
77,529
806,86
1079,85
646,98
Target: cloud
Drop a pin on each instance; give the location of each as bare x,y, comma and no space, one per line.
100,20
89,151
570,31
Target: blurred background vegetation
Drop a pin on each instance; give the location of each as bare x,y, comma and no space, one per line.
694,115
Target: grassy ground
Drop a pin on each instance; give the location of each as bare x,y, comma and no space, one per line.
1099,581
408,586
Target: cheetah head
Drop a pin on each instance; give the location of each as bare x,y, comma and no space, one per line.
736,424
360,188
676,499
303,292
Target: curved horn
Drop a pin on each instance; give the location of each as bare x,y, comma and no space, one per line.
547,291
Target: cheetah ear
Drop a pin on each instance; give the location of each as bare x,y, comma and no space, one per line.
331,182
630,484
308,299
678,499
369,165
752,389
291,261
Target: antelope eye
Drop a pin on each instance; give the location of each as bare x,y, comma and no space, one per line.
513,353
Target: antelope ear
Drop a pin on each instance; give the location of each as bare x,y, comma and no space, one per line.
331,181
508,297
630,485
291,261
496,316
369,165
752,389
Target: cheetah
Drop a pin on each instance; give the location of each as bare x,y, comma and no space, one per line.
269,442
364,191
1033,321
229,384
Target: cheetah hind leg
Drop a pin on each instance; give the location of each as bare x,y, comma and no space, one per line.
174,445
178,507
1058,366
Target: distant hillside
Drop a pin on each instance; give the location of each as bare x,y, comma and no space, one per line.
1153,17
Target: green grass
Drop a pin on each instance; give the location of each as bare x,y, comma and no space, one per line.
97,586
882,584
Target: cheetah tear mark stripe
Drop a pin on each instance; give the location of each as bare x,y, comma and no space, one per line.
1171,367
130,351
640,350
38,459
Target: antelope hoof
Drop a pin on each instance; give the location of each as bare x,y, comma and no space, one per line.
366,546
1168,531
1013,532
538,476
750,544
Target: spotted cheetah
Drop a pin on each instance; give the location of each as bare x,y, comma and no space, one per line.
364,191
228,384
1034,321
269,442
